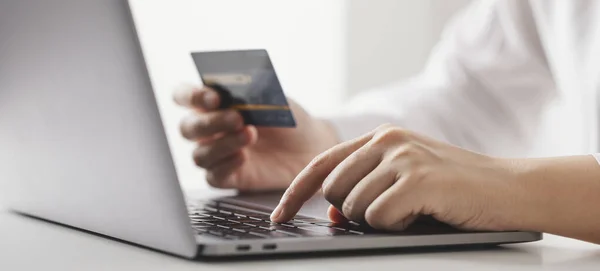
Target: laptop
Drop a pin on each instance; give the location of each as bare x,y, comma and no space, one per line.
82,145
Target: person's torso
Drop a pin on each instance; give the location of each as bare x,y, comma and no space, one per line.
570,34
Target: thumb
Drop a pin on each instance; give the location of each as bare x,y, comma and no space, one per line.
335,215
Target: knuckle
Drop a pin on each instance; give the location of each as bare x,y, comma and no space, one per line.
182,95
350,211
186,127
388,134
192,126
412,179
371,217
331,194
407,150
213,180
420,171
376,219
328,191
197,97
383,136
411,148
319,161
210,179
207,122
384,127
200,156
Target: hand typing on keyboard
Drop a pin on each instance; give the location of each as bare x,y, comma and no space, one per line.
225,220
391,176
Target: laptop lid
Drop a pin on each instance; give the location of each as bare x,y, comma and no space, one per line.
81,141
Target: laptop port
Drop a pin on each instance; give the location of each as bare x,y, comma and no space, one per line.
243,248
269,246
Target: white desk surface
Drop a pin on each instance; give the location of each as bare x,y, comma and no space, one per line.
28,244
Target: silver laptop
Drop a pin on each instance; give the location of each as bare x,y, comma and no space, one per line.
82,145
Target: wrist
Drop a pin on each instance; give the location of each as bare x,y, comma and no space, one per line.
516,202
523,210
553,194
501,194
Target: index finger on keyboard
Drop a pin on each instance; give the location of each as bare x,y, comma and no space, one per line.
309,181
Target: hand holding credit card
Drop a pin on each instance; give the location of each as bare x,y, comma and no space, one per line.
246,81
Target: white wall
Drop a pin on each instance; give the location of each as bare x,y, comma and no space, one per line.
389,40
323,51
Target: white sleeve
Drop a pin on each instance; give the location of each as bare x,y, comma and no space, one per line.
484,88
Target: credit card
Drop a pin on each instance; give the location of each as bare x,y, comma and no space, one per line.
246,81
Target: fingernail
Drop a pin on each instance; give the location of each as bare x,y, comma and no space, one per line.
277,213
210,100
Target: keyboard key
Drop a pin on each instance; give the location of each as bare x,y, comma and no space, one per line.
354,227
245,220
209,220
202,224
255,218
225,212
296,224
290,225
226,223
240,230
198,215
241,211
311,220
261,223
243,227
223,226
344,226
262,217
279,227
302,217
206,213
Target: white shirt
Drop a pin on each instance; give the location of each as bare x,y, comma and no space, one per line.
498,68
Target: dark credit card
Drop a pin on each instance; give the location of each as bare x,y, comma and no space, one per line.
247,82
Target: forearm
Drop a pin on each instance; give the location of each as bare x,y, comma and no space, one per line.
559,196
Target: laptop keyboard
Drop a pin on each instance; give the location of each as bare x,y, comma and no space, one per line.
228,221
